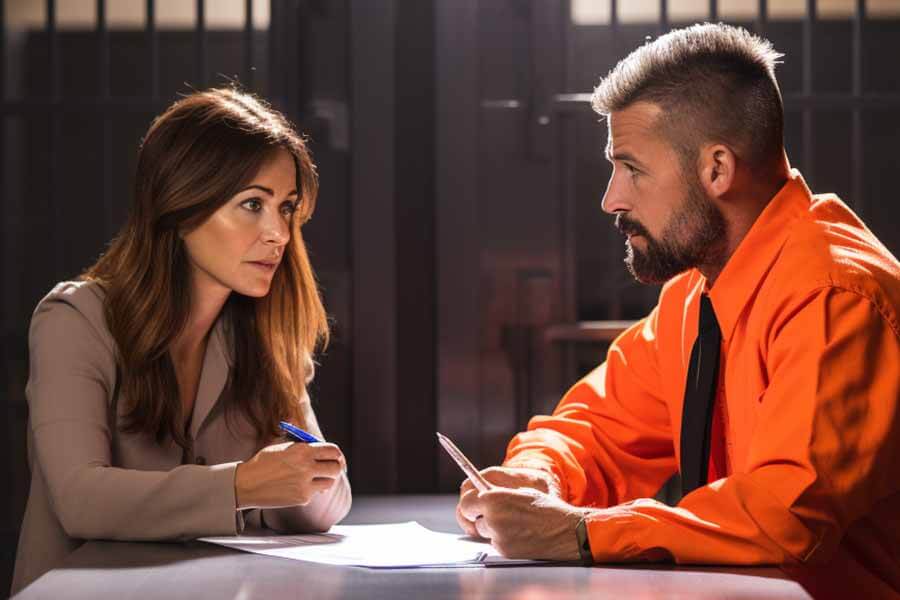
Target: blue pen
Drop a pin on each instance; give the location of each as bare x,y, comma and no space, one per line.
298,434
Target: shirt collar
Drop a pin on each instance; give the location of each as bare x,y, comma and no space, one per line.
744,271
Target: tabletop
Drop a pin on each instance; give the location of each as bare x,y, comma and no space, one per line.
102,569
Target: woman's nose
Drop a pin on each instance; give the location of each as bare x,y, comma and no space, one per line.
276,230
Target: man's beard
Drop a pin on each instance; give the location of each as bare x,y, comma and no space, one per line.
693,237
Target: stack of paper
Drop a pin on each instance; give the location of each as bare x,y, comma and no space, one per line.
391,546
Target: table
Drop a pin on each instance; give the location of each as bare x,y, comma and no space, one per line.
101,569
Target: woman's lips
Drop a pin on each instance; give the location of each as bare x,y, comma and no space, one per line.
267,267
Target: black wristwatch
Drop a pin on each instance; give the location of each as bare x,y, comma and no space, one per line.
584,545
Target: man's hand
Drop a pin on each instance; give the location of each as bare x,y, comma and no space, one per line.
525,523
507,477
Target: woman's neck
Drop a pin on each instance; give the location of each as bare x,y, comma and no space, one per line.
207,299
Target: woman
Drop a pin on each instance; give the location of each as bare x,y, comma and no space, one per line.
157,380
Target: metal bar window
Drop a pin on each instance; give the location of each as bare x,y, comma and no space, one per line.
55,133
856,89
807,134
200,44
762,13
248,44
103,65
53,50
102,50
3,145
276,87
2,52
614,23
153,42
616,305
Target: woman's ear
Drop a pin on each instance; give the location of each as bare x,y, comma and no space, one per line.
717,169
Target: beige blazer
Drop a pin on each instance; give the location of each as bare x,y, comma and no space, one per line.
91,480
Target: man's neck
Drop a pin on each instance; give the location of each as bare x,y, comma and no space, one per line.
741,209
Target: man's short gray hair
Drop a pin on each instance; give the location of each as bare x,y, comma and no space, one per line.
714,83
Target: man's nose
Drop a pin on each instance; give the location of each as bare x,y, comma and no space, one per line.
614,200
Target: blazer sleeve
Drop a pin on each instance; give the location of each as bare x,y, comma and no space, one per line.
609,439
323,511
326,508
71,378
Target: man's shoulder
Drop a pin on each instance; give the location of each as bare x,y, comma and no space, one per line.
830,247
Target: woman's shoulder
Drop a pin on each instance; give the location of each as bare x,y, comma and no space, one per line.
86,297
72,308
77,290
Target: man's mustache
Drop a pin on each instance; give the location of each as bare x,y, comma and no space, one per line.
627,226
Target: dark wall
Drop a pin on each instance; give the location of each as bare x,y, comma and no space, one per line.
392,82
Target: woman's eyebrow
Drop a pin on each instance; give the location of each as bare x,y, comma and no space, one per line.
263,188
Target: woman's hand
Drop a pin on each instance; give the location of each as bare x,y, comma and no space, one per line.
287,474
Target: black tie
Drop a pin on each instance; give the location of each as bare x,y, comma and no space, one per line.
699,399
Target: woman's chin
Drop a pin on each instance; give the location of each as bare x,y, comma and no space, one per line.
254,290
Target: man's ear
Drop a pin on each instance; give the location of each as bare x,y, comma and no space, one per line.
717,169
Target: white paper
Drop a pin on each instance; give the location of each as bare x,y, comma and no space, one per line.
394,545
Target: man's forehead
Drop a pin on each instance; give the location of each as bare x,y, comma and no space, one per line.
633,126
638,119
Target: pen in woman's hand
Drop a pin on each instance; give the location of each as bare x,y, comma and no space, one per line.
298,434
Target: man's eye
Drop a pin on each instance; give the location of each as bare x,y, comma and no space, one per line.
252,204
631,170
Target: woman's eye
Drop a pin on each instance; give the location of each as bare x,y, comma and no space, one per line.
252,204
289,208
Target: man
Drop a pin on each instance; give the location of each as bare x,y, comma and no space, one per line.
768,374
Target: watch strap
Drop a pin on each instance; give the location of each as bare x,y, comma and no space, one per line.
584,545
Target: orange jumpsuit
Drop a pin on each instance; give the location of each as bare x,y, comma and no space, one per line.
809,399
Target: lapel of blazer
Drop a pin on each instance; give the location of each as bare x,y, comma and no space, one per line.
212,377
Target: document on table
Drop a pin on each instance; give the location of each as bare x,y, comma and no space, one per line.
389,546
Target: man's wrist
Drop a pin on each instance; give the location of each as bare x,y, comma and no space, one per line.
584,544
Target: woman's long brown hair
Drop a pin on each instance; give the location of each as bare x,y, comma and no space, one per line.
196,155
